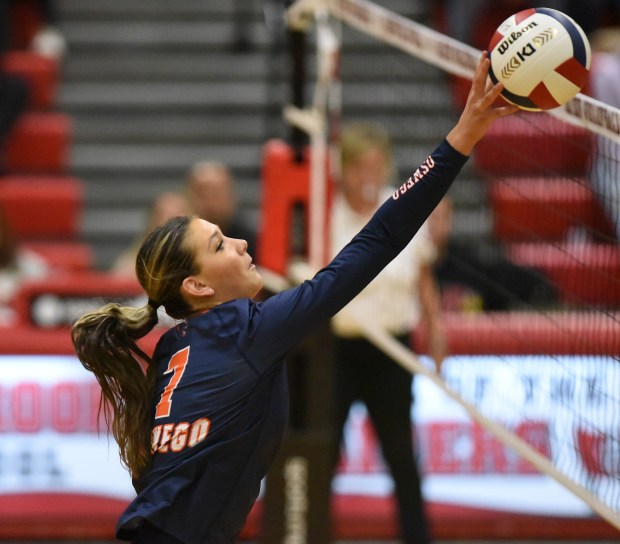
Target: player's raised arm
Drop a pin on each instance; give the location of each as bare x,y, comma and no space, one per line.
480,110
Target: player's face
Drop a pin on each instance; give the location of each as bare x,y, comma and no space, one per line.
225,265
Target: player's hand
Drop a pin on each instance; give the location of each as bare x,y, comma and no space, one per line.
480,110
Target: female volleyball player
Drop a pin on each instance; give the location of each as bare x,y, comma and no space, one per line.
200,428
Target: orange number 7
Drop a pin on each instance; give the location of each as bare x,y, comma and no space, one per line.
177,367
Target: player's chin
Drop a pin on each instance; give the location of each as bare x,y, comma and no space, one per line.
257,282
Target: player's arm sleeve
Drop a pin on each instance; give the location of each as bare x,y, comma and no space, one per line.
280,322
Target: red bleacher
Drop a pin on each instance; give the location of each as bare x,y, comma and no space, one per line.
47,307
536,170
42,203
31,340
584,273
42,207
39,143
517,156
528,333
51,303
533,144
41,73
535,208
44,213
71,256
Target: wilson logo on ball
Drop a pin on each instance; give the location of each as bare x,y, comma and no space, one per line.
503,47
537,42
540,69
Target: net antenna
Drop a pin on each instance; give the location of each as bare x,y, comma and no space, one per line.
459,60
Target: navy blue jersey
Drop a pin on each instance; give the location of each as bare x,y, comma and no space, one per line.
221,402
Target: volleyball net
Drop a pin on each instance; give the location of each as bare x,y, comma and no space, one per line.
535,289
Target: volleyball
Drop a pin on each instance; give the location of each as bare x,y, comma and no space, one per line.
541,56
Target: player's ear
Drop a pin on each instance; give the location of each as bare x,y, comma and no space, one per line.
194,287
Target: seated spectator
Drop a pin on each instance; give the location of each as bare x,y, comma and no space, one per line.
213,197
477,276
165,206
17,265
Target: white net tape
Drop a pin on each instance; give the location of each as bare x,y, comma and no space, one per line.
454,57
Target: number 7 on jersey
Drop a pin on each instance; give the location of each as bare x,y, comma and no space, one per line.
176,365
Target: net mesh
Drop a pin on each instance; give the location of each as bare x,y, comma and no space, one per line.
532,272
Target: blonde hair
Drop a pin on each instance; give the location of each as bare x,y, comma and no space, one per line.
358,138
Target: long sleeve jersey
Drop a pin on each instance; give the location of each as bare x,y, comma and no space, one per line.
220,404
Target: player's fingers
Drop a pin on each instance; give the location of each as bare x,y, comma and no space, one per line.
503,111
480,75
492,94
489,84
478,81
486,101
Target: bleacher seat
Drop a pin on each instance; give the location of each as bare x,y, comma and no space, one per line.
41,73
536,213
528,333
64,255
31,340
39,143
543,146
536,208
42,207
55,302
584,273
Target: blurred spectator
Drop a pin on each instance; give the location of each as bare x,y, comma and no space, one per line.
17,265
213,197
400,298
165,206
459,292
605,86
476,276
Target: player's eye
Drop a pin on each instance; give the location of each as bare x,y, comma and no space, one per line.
220,245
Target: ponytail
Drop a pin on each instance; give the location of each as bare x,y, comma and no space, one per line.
105,340
105,343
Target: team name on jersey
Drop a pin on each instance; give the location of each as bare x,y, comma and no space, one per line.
424,169
175,437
